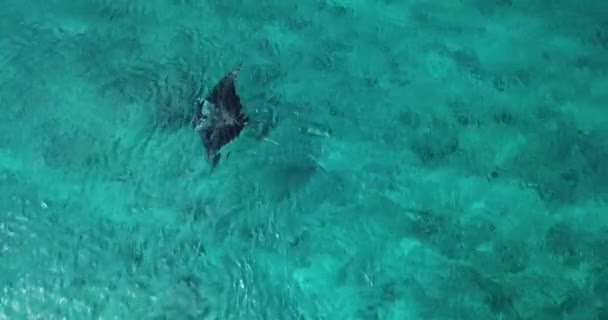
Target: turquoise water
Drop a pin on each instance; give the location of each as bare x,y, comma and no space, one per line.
404,160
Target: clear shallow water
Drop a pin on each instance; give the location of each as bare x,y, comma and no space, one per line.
459,172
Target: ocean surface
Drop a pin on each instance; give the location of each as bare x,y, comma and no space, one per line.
411,159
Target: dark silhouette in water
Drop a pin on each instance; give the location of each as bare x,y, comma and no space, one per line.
219,117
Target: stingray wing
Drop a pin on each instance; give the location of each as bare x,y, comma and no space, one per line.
233,120
224,94
217,137
223,135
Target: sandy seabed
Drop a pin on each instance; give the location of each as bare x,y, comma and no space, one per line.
405,160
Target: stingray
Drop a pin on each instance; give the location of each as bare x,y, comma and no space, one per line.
219,117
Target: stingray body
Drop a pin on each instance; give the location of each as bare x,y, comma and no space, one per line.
218,117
